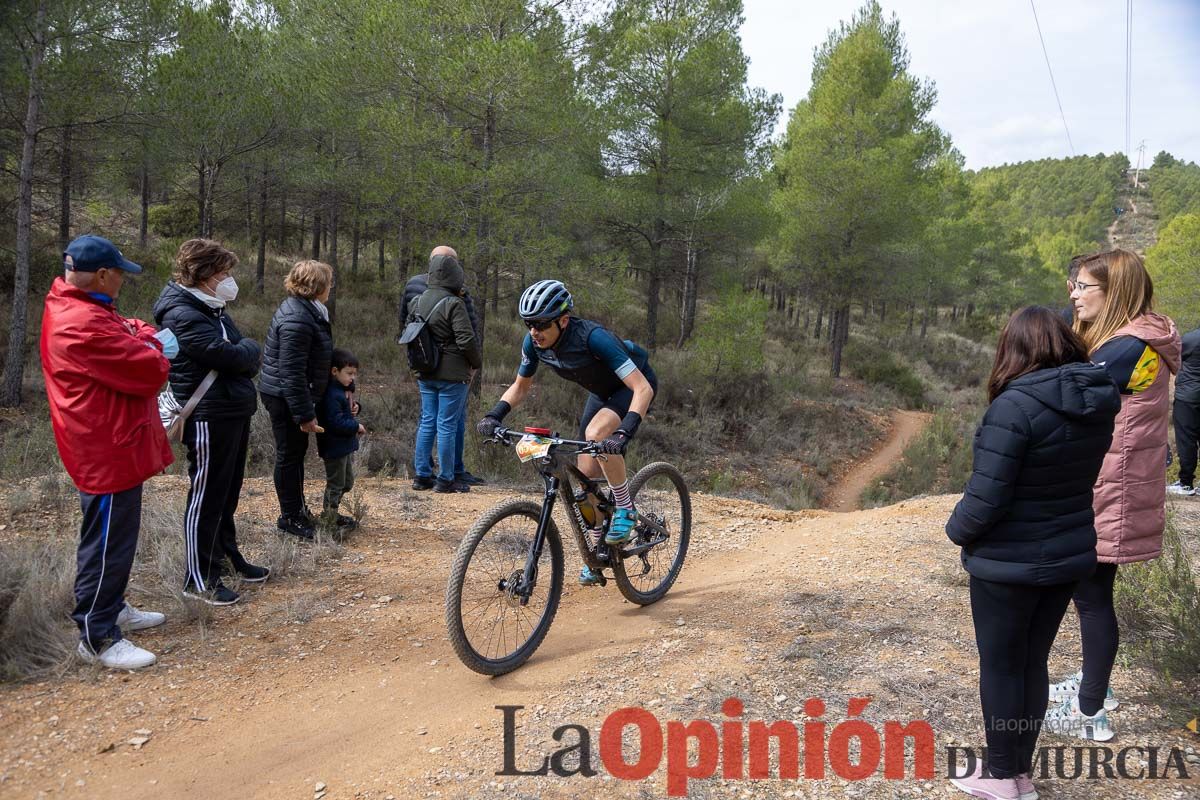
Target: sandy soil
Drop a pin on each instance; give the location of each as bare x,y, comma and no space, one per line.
348,682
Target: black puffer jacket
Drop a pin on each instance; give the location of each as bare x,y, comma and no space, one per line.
202,348
1026,514
297,357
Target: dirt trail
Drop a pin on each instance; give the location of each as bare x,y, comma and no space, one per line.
351,682
905,426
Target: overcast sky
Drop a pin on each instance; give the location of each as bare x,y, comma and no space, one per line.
994,93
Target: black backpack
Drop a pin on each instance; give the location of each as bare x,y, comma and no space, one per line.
424,355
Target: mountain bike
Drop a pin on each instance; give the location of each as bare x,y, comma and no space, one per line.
507,577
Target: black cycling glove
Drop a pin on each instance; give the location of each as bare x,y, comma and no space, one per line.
487,426
616,444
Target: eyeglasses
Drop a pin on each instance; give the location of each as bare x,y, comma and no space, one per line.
539,324
1081,286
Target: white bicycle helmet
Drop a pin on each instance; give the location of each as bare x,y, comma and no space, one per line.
548,299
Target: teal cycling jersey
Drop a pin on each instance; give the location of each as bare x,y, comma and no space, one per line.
588,354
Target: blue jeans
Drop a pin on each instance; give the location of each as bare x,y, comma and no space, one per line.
443,415
460,440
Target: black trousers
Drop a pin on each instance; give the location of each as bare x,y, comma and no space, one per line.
216,454
1015,627
107,542
291,446
1100,634
1187,439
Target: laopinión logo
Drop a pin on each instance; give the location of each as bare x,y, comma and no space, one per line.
730,746
738,749
1133,762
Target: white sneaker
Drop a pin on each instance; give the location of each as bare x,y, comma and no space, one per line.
1067,720
1183,489
122,654
1068,689
132,619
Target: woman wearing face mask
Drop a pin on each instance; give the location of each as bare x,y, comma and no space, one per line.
1139,349
217,434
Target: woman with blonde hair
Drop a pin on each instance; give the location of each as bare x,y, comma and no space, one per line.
1113,299
295,372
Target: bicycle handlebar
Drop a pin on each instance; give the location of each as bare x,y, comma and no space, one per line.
508,436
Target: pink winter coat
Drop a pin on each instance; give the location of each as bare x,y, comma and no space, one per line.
1130,495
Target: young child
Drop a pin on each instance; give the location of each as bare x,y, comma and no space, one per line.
336,414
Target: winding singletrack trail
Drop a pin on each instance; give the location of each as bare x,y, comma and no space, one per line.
905,426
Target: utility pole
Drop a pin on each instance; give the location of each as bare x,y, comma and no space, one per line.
1138,172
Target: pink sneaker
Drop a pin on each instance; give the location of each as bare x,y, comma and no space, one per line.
977,785
1026,788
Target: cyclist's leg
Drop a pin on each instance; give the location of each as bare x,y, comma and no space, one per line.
588,465
604,424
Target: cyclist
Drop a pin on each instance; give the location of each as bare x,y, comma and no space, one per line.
617,375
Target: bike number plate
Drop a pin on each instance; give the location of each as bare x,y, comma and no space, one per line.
531,446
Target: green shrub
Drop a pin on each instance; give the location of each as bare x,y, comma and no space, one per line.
1158,605
174,220
873,363
959,362
729,335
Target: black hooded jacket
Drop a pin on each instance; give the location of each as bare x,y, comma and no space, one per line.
1026,514
297,357
1187,382
203,348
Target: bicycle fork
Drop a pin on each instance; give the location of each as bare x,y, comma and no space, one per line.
529,575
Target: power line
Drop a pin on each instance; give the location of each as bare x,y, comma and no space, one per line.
1129,79
1053,85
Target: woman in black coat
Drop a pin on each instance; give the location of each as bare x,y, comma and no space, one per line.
295,371
217,433
1026,527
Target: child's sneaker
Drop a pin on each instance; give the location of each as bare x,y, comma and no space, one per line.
1068,689
620,527
1068,720
979,785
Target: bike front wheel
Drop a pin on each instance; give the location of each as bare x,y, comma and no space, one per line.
496,617
661,496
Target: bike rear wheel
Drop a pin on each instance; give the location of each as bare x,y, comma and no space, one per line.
660,493
491,629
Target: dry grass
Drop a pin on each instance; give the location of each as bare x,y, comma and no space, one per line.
37,637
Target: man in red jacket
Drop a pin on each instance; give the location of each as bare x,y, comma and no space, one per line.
103,374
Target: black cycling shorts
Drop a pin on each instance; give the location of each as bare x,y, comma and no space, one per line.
619,402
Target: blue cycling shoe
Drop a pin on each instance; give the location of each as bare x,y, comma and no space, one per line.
620,529
589,577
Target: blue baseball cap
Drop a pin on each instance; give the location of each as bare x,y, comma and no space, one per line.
93,253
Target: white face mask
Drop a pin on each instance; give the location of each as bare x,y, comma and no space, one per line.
227,290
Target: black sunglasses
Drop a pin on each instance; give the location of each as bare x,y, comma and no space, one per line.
539,324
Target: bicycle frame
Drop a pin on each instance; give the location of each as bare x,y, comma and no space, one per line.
559,476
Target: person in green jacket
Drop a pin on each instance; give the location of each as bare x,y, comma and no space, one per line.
444,391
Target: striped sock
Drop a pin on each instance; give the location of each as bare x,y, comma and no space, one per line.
621,495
